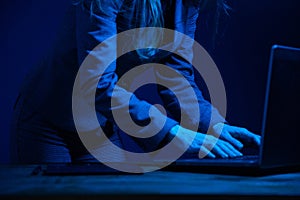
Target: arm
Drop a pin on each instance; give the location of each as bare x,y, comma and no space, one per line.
185,22
92,29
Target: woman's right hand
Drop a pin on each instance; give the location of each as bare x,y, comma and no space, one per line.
203,144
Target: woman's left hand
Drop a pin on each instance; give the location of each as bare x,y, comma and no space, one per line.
236,136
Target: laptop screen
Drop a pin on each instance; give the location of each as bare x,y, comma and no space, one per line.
281,121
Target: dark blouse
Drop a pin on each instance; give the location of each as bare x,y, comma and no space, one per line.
48,88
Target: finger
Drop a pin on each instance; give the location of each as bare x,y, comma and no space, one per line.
226,150
232,149
219,152
253,137
245,135
257,140
205,153
233,141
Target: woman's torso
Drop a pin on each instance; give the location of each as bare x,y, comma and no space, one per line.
48,88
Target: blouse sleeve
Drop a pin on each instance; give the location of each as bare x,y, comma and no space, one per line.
185,22
92,29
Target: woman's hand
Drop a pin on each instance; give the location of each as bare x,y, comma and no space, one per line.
236,136
204,144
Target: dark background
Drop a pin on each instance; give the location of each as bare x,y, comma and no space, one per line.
241,50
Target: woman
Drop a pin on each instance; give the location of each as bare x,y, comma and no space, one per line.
43,120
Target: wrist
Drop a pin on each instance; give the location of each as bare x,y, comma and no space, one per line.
170,135
174,130
218,127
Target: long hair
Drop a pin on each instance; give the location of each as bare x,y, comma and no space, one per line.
219,12
149,13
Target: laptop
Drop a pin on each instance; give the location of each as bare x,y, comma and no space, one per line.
280,145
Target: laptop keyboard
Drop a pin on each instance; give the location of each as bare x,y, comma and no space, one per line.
245,157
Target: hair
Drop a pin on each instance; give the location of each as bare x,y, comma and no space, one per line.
221,10
220,13
149,13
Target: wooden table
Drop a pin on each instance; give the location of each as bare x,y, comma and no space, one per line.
18,182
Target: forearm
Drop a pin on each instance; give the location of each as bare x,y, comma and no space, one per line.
97,80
